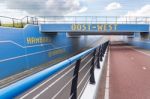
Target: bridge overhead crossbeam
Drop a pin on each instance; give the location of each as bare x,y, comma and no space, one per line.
94,28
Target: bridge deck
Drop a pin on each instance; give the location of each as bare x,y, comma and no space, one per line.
129,73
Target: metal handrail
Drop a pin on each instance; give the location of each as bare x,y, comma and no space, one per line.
17,23
21,86
99,19
14,22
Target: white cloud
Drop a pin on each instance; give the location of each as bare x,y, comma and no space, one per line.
75,13
12,13
113,6
83,10
45,7
88,1
144,11
137,15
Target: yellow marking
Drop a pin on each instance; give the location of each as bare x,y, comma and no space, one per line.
105,27
38,40
84,27
110,27
100,27
56,52
90,27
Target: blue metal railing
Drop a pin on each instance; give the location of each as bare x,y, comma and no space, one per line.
20,23
23,85
17,23
94,19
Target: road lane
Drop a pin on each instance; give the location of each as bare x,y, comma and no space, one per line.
129,73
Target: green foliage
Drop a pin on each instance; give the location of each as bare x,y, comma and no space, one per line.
16,25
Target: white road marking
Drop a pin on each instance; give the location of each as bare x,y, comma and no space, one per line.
141,41
106,93
140,51
107,78
107,83
144,68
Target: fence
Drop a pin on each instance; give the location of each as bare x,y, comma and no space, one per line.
70,76
94,19
20,23
17,23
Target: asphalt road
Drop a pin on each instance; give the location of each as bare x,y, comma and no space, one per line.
129,76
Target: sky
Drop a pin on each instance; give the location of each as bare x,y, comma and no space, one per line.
21,8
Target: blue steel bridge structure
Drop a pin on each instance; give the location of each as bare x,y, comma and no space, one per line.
66,49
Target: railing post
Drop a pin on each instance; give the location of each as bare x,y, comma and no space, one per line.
13,22
126,19
98,58
44,19
27,20
75,80
37,21
0,23
136,20
146,20
106,20
85,19
104,48
101,50
33,18
75,20
21,24
92,77
116,20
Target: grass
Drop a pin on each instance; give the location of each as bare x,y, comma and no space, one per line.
16,25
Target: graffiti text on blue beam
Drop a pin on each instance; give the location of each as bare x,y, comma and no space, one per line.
95,27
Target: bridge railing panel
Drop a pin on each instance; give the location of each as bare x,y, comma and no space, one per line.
10,22
94,20
20,23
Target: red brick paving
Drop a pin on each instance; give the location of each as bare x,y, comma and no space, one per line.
129,74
